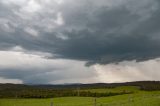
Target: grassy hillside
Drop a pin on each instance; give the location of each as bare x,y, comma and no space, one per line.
84,90
139,99
115,90
136,98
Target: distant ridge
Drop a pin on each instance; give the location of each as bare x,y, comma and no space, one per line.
70,85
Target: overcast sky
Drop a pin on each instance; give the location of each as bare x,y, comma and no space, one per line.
79,41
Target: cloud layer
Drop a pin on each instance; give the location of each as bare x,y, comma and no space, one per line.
33,69
18,67
87,32
96,31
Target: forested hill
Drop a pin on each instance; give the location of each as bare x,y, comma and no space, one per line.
48,91
144,85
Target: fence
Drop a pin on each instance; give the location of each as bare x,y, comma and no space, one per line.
95,103
131,101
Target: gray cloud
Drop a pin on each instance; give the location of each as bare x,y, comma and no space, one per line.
96,31
28,68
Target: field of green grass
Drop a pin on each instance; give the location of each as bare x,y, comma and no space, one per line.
138,98
115,90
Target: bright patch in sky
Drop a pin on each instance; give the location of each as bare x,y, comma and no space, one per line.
15,81
31,6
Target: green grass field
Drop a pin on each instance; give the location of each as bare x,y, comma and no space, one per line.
115,90
138,98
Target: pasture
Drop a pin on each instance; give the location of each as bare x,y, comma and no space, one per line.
137,98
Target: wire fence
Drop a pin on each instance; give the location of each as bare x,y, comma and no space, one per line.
91,104
95,103
127,102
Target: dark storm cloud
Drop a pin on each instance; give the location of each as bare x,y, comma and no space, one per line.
32,76
95,31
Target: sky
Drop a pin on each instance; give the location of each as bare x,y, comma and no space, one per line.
79,41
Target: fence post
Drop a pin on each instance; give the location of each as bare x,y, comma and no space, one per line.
78,91
95,101
51,103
